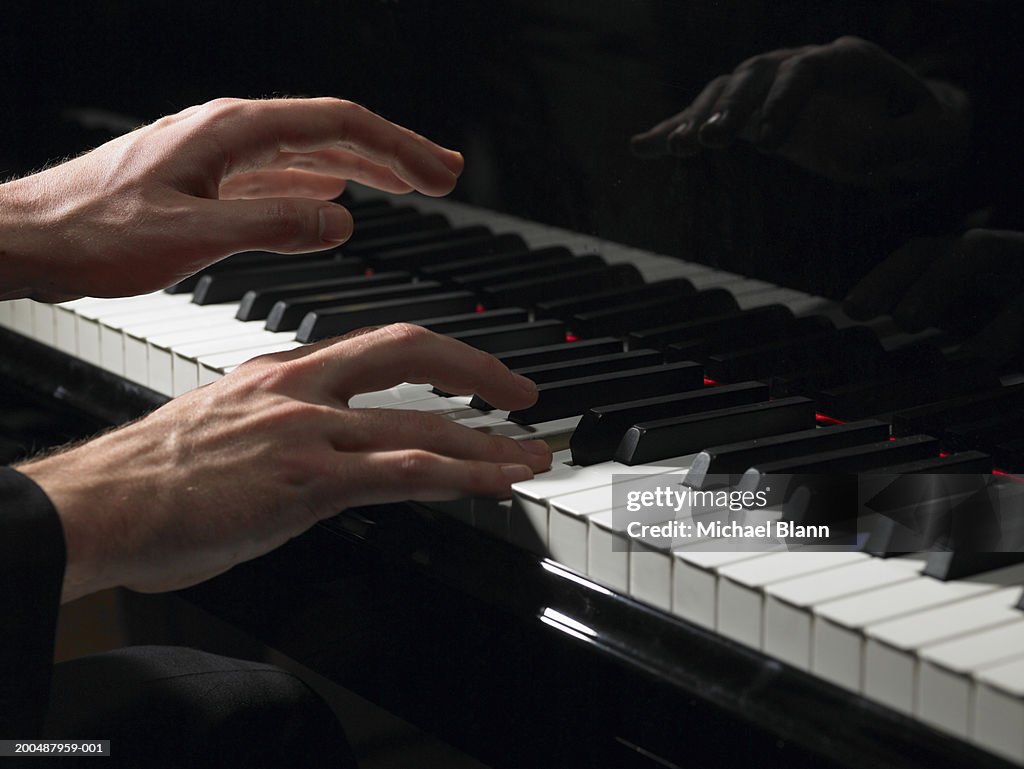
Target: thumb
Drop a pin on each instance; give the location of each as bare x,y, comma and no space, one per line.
282,225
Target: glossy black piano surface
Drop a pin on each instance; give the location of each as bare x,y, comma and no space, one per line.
520,661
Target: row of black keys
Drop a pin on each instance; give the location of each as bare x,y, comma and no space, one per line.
847,371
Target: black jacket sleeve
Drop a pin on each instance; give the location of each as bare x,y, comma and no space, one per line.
32,559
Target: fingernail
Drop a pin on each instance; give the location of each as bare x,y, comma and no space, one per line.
335,224
525,384
679,140
536,447
454,161
516,473
716,118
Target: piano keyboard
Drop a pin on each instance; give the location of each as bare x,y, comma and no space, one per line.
949,653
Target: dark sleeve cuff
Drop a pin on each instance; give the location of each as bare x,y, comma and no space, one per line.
32,560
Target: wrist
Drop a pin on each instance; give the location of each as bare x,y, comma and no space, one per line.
95,504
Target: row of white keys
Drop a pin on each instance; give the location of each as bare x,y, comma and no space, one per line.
790,606
842,625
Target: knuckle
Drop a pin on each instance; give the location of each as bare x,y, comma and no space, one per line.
413,465
406,334
287,223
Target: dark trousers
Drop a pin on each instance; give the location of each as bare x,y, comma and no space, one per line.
175,707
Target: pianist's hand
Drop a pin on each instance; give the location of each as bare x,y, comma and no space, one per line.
237,468
155,205
972,284
846,110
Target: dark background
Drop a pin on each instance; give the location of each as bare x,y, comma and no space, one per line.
542,97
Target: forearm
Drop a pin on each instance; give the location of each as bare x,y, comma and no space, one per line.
15,262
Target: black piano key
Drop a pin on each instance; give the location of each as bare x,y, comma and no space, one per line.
256,304
601,364
248,260
960,564
716,466
913,516
642,314
889,366
231,286
766,322
473,264
933,417
552,261
598,364
397,224
987,432
385,243
854,459
571,305
574,396
974,462
514,336
332,321
793,354
883,395
675,436
601,429
287,314
413,257
555,353
536,356
548,286
702,348
467,321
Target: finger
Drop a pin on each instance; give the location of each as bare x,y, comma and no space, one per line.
795,81
882,289
945,284
250,133
742,96
678,134
384,429
396,476
283,225
291,183
343,164
402,352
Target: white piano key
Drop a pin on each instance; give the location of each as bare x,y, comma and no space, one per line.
607,561
22,317
789,619
219,364
185,365
531,500
945,686
7,312
891,654
998,722
695,577
44,323
741,588
392,396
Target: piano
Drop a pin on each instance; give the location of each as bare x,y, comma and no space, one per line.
537,631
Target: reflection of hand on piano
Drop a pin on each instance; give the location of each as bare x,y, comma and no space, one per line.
974,283
846,110
233,470
156,205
